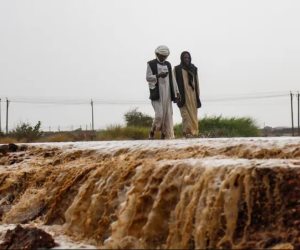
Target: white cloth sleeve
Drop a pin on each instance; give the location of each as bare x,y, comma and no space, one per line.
151,79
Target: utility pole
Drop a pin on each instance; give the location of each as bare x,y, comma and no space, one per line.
92,104
298,99
292,113
0,118
7,104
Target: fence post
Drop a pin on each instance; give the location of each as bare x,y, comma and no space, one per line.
0,117
298,98
292,113
7,104
92,104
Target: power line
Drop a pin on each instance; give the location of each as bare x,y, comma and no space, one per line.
244,98
241,98
100,101
58,102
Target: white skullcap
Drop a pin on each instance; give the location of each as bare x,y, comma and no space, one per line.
162,50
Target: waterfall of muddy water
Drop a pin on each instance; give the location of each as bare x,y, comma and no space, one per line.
202,193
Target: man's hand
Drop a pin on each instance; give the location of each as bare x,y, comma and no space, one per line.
162,74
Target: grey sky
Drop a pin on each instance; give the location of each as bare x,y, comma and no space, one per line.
99,49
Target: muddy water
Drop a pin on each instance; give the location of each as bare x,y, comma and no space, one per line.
220,193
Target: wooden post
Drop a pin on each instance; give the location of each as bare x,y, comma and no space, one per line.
298,98
92,104
0,117
7,104
292,113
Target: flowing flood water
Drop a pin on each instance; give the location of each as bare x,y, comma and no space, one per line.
184,194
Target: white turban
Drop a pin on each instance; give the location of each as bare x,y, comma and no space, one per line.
162,50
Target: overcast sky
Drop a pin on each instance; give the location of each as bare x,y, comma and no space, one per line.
70,49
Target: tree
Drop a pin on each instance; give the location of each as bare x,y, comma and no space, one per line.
25,131
135,118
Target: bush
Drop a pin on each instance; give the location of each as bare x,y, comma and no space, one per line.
217,126
134,118
26,132
178,130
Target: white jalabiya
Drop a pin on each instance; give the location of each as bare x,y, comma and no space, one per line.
163,120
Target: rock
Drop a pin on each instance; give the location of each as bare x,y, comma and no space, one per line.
12,147
4,149
27,238
23,147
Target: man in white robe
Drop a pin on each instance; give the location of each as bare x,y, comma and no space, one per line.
163,90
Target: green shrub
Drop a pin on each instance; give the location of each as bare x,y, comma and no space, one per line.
218,126
134,118
215,126
26,132
178,130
